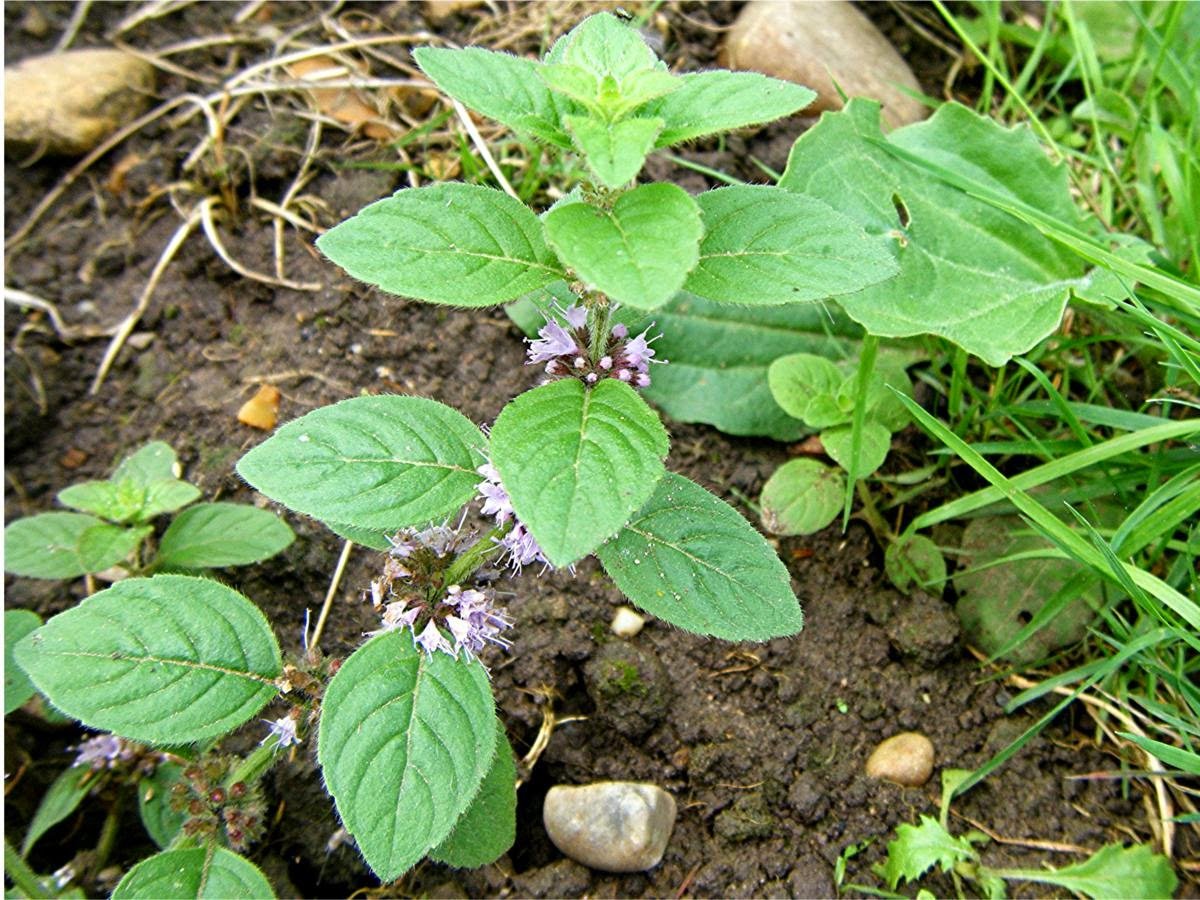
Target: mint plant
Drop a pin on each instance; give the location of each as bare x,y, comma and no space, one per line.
111,526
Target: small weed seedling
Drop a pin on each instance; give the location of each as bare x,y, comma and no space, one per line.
409,743
111,526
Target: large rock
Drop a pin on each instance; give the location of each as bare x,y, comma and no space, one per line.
614,826
817,43
67,103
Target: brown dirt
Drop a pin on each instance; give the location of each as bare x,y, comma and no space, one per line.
762,745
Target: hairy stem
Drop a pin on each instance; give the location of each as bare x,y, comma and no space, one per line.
22,876
470,560
599,321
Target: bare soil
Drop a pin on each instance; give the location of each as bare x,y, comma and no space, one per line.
763,746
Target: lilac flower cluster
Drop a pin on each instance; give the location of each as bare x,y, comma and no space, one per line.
520,547
563,351
105,751
283,728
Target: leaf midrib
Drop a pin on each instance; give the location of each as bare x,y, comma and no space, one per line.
182,663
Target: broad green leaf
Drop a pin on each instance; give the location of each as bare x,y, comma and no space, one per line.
874,444
103,546
500,86
577,462
165,660
637,253
888,380
575,82
801,497
47,545
406,738
692,560
461,244
17,686
375,538
154,804
378,462
211,872
489,826
1113,871
214,535
115,501
61,799
796,379
709,102
166,495
153,462
615,151
763,245
968,272
918,848
915,561
604,45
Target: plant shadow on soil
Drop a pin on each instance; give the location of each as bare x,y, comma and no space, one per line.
763,746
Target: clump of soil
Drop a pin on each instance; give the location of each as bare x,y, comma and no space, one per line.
763,745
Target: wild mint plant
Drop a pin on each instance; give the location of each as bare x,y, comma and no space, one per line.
110,526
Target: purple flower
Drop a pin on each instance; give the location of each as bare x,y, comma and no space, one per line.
104,751
397,615
620,331
477,623
283,728
554,341
576,316
520,547
638,351
431,640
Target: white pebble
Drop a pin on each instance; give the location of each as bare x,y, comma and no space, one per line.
626,623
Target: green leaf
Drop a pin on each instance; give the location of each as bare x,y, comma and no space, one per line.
108,499
103,546
639,252
875,442
692,560
968,272
1187,761
915,561
500,86
577,462
61,799
406,738
215,535
375,538
709,102
17,686
1113,871
918,848
604,45
48,545
796,379
489,826
615,151
154,804
153,462
801,497
211,871
379,462
165,660
166,495
461,244
765,245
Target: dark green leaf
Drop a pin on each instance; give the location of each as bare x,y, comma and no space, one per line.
17,686
154,804
214,535
60,800
874,444
489,826
209,872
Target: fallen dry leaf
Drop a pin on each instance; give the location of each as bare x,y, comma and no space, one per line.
346,105
262,410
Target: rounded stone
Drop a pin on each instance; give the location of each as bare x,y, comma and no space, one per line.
817,43
67,103
614,826
905,759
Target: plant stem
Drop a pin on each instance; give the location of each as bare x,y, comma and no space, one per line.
255,766
476,555
108,834
22,876
598,322
329,595
862,381
871,513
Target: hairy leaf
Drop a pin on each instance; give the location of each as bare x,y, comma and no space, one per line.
764,245
604,45
211,872
637,253
801,497
152,463
692,560
615,151
17,686
51,545
102,546
406,739
164,660
968,272
378,462
709,102
461,244
489,826
577,462
500,86
214,535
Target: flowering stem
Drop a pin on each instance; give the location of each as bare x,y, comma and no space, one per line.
476,555
599,317
255,766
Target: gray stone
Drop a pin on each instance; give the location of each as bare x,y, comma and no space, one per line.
67,103
817,43
905,759
614,826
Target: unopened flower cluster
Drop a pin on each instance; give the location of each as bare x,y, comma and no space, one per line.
412,576
564,351
107,751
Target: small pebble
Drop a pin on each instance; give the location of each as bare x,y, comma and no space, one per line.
140,340
613,826
905,759
626,623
